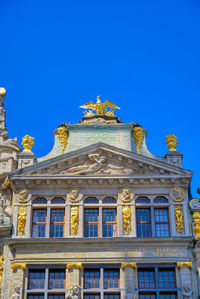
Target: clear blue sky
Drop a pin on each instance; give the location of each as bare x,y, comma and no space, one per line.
142,55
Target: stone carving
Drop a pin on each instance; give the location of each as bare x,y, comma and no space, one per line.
24,196
126,212
138,135
21,219
63,137
74,266
75,196
186,291
179,218
18,266
130,294
195,204
196,224
1,268
74,292
5,211
128,265
3,130
184,264
125,195
177,194
27,142
17,294
74,220
97,164
171,141
5,184
197,255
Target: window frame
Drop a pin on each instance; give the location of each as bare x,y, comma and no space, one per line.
109,222
54,223
37,223
161,208
91,208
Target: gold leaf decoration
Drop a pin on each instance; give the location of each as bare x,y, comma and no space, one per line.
171,141
63,137
126,212
74,220
22,211
196,224
28,143
179,219
138,135
128,265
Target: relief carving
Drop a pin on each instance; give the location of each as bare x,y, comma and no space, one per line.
21,219
126,215
74,292
186,291
195,204
74,196
177,194
125,195
24,196
17,294
74,220
179,218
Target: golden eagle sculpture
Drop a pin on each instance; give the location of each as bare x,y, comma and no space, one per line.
100,108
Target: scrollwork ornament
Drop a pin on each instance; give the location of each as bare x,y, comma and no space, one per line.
24,196
22,211
177,194
18,266
125,195
195,204
74,196
126,215
179,218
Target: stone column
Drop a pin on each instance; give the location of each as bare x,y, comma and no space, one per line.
129,282
185,275
18,277
74,271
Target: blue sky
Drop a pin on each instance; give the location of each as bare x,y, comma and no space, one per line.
142,55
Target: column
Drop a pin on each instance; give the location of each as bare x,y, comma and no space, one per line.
74,271
185,275
18,278
129,281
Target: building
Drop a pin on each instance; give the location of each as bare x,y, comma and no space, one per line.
98,217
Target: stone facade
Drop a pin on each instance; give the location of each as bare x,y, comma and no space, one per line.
98,217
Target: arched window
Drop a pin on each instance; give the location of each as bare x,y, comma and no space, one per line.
109,200
40,200
58,200
91,200
160,199
142,199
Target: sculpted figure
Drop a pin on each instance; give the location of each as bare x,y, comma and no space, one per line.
186,291
75,196
129,294
197,254
74,292
17,294
125,195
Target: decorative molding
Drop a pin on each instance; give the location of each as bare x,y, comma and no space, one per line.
196,224
195,204
128,265
74,266
28,143
74,220
171,141
22,211
75,196
125,195
126,215
179,218
18,266
1,268
5,184
184,264
63,137
24,196
177,194
138,135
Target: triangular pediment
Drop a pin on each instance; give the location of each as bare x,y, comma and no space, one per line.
100,160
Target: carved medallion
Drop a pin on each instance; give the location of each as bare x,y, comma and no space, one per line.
24,196
74,196
177,194
125,195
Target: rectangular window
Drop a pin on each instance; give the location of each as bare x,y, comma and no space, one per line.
109,222
146,279
36,296
166,279
56,296
91,222
168,296
56,279
91,279
147,296
36,279
162,222
112,296
143,222
39,223
91,296
57,223
111,279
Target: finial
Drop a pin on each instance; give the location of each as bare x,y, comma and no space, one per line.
27,142
100,108
2,91
171,141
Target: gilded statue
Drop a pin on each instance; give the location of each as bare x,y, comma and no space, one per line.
126,215
63,137
75,196
21,219
1,268
177,194
171,141
126,195
100,108
27,142
196,224
5,184
74,220
138,135
179,219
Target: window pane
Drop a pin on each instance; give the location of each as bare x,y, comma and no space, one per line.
109,222
111,279
111,296
109,200
143,223
91,296
142,199
91,279
36,279
162,222
146,279
168,296
36,296
147,296
166,279
91,200
57,223
39,223
58,296
56,279
40,200
58,200
91,222
160,199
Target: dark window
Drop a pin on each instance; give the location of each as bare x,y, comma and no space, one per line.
91,222
142,199
160,199
57,223
166,279
162,222
56,279
40,200
143,223
91,200
109,200
56,296
147,296
167,295
91,296
36,296
36,279
111,296
111,279
91,279
109,222
58,200
146,279
39,223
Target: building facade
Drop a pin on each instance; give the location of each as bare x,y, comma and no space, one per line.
99,217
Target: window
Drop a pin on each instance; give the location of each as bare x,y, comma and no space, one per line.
161,222
40,200
39,223
91,222
57,223
143,222
58,200
102,280
109,200
160,199
142,199
109,222
157,282
37,279
91,200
